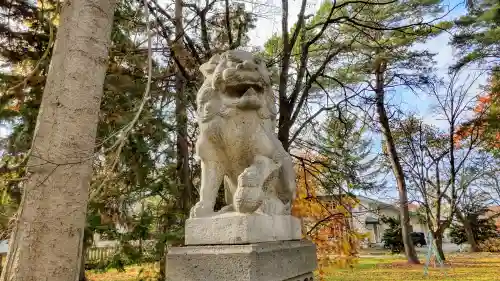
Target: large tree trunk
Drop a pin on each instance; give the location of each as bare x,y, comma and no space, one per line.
47,241
468,231
183,172
410,252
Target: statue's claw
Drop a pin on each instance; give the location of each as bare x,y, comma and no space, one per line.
226,209
200,210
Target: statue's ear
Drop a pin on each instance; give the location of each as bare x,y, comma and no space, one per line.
208,68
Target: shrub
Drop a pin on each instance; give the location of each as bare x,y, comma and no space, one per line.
392,237
491,245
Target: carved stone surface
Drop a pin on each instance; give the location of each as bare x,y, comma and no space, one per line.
237,143
272,261
237,228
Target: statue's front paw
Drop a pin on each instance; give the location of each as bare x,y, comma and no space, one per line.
249,178
200,210
226,209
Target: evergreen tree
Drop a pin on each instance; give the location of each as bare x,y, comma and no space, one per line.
477,33
26,56
137,173
477,40
392,237
349,166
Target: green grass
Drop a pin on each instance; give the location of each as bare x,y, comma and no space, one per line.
465,267
145,272
459,267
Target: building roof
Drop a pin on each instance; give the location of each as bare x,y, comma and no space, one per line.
494,211
369,200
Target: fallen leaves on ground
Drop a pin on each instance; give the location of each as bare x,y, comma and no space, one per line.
459,267
145,272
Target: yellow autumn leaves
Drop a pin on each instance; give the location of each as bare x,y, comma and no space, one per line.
326,220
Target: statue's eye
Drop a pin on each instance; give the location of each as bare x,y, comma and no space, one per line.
258,61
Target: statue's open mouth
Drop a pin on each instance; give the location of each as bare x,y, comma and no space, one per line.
240,89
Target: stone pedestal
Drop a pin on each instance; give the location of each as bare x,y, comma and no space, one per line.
242,247
237,228
268,261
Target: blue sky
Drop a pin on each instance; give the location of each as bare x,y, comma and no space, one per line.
269,23
409,102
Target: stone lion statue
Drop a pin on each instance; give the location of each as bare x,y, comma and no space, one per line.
237,143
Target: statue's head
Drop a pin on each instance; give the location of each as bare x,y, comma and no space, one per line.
238,75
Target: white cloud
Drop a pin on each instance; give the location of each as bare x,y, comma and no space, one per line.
269,17
4,131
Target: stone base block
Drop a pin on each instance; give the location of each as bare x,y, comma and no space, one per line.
237,228
304,277
269,261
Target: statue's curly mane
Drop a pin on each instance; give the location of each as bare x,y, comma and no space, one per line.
210,100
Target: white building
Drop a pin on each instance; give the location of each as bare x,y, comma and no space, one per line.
366,218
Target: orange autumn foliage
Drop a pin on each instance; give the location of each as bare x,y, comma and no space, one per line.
325,222
486,122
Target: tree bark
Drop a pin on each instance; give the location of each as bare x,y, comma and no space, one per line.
163,252
438,238
183,171
410,252
468,231
47,241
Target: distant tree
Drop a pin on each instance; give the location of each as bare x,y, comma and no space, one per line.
350,162
422,148
476,39
483,228
392,236
386,59
486,116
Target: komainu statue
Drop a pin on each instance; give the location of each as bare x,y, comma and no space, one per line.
237,143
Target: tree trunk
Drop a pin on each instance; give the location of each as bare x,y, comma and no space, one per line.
470,237
163,253
410,252
284,125
438,238
468,231
183,172
47,241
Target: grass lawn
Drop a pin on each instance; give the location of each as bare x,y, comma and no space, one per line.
459,267
145,272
